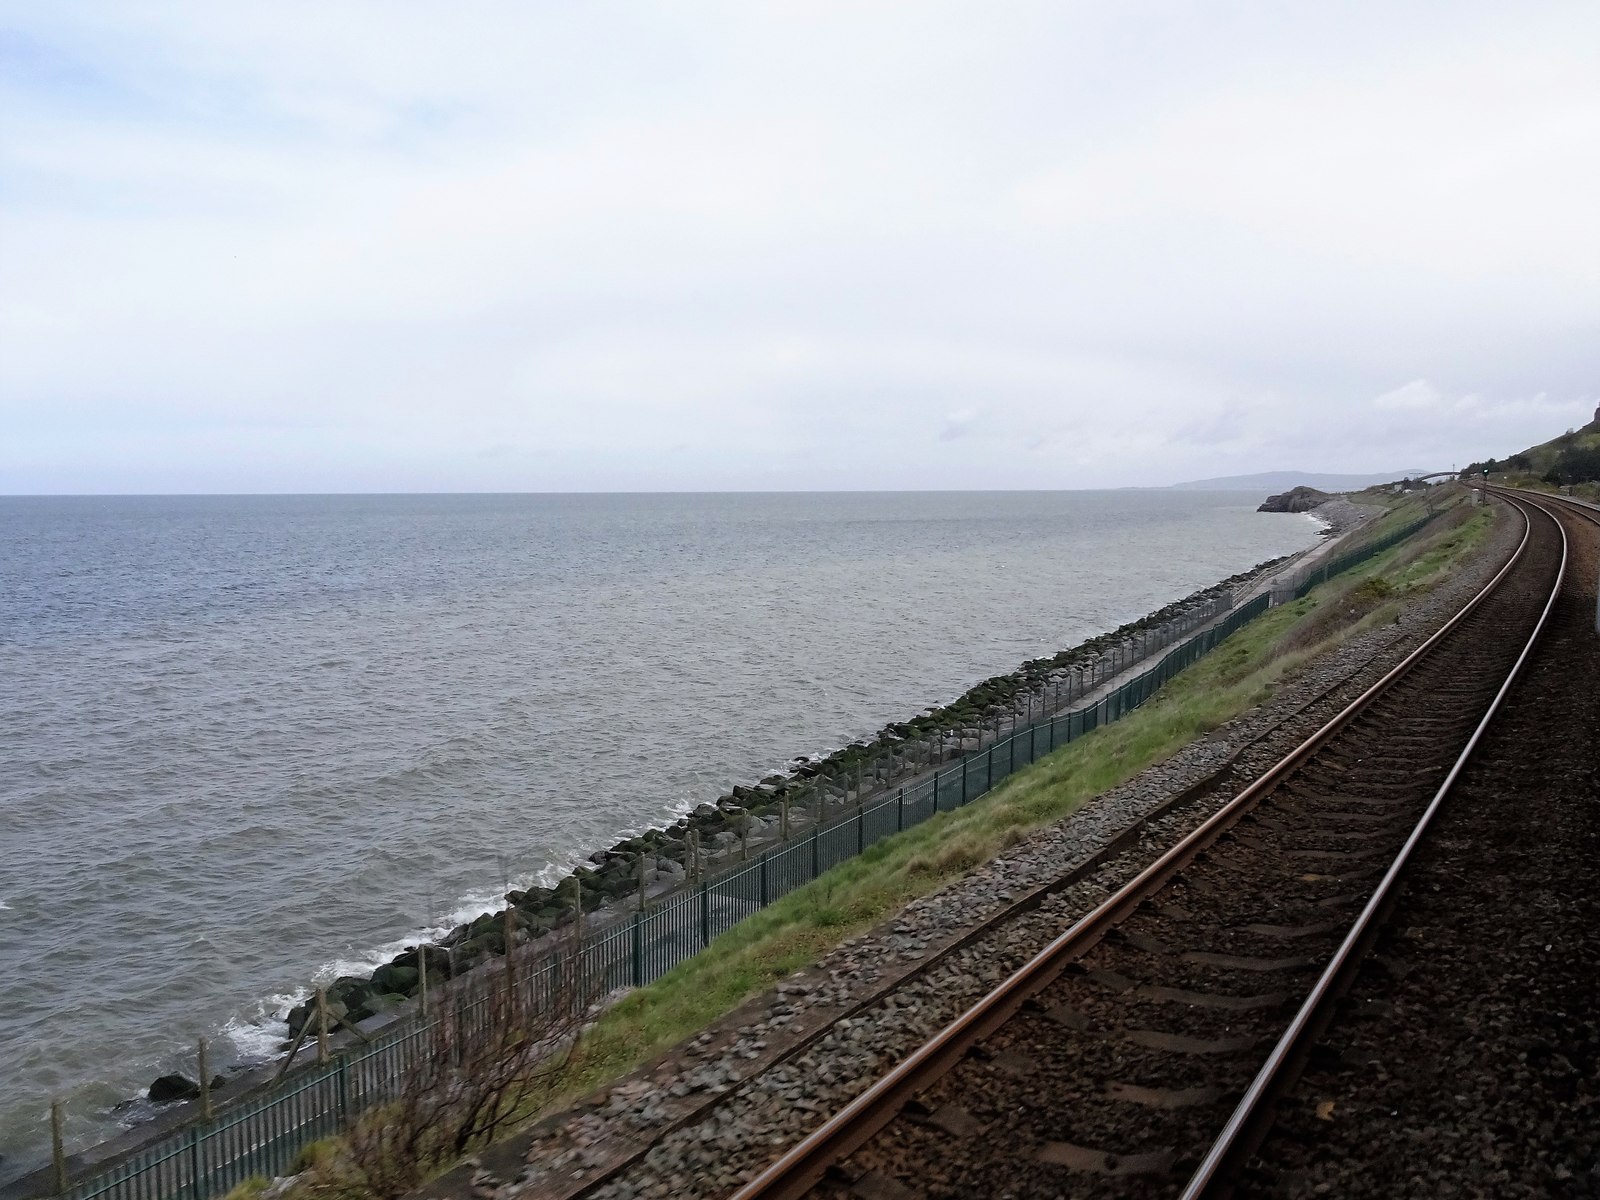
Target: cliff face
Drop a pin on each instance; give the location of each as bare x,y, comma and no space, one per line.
1295,500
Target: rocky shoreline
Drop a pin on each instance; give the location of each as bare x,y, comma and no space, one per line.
1341,514
618,880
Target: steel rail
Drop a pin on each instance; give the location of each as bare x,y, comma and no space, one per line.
1247,1125
1581,508
797,1171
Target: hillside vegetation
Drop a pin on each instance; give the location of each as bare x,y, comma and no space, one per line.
1572,458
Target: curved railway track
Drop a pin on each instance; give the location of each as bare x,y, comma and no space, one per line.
1108,1065
1464,1058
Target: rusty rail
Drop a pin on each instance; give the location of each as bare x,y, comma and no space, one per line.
1253,1116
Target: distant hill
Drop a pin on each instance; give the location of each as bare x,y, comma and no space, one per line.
1282,481
1571,458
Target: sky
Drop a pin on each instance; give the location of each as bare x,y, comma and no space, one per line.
393,246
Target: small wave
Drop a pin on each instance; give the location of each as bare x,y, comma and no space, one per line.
130,1114
257,1037
475,904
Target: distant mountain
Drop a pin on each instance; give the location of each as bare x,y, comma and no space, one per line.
1282,481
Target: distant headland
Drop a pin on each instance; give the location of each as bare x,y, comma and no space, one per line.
1277,481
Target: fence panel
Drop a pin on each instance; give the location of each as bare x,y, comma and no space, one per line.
790,866
883,820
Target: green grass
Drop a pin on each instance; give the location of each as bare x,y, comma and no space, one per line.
804,926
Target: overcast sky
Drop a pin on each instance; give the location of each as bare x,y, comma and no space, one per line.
526,246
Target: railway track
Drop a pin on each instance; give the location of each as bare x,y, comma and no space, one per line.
1110,1064
1464,1058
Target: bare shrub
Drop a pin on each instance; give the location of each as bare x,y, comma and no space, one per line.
496,1048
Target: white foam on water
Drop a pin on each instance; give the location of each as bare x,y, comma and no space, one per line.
257,1037
466,910
135,1112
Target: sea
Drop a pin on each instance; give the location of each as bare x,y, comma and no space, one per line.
252,742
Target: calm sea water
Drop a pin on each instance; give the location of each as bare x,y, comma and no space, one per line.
249,741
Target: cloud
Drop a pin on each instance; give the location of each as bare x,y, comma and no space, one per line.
1417,396
796,240
958,424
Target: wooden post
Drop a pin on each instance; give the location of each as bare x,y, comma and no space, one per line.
58,1148
422,979
744,837
322,1026
294,1048
206,1113
641,881
783,817
577,908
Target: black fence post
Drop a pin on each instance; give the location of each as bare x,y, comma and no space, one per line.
638,949
343,1085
